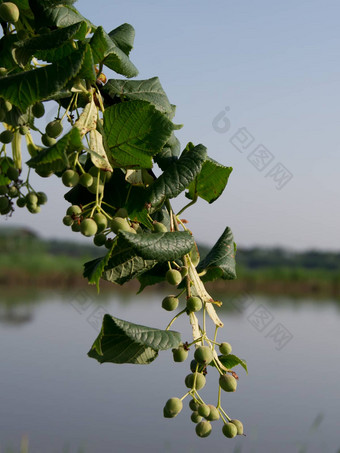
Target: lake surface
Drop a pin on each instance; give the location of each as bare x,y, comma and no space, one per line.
60,400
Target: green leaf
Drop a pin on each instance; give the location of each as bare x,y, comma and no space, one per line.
169,153
56,157
210,182
135,131
230,360
6,46
149,90
123,36
105,51
124,342
220,261
153,276
177,176
159,246
25,88
93,270
56,14
125,264
47,46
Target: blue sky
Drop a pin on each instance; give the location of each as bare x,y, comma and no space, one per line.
273,69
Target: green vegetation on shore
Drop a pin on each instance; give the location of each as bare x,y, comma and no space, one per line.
27,259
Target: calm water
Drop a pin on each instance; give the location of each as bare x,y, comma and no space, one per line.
62,401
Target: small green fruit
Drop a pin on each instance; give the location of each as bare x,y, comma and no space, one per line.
31,198
229,430
44,173
4,203
38,110
193,405
173,277
159,227
3,190
119,224
228,383
3,71
54,129
74,210
204,355
99,239
193,365
13,173
13,192
23,130
194,303
195,417
225,348
173,407
7,106
93,187
213,414
239,426
42,198
86,180
67,220
190,379
179,354
108,243
204,410
6,137
21,202
122,212
170,303
184,271
33,208
9,12
88,227
203,429
75,227
101,221
70,178
48,141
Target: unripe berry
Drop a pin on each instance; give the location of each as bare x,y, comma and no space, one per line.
229,430
13,192
4,203
225,348
119,224
21,202
48,141
203,410
74,210
203,429
184,271
75,227
158,227
67,220
213,414
173,277
6,137
31,198
122,212
172,407
33,208
193,365
170,303
108,243
42,198
9,12
239,426
195,417
3,190
70,178
88,227
7,106
95,185
13,173
38,110
190,379
23,130
86,180
99,239
3,71
204,355
179,354
228,383
101,221
194,303
193,405
54,128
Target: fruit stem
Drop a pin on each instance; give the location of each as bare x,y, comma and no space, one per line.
224,413
174,318
188,205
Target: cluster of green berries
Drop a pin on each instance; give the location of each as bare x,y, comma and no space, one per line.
203,414
94,180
